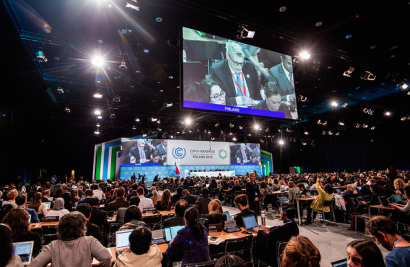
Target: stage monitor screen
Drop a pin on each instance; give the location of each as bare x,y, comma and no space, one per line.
245,153
143,152
229,76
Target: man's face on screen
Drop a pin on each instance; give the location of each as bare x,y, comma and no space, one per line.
235,62
155,159
217,95
273,102
287,63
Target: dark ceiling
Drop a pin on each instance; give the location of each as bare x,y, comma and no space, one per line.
377,44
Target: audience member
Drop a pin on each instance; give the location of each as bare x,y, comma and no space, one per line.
177,196
324,194
132,219
119,201
98,217
191,199
37,204
144,202
230,260
7,257
21,202
92,229
252,191
58,209
241,203
88,195
202,201
11,195
300,252
216,215
165,202
72,248
154,197
364,253
135,200
178,219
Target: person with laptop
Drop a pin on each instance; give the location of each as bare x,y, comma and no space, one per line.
362,253
119,201
7,257
144,202
88,195
37,205
141,251
46,195
401,207
58,209
267,241
17,220
21,202
72,248
385,232
132,219
178,219
241,202
191,242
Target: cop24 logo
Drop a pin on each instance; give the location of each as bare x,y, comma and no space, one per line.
223,154
179,152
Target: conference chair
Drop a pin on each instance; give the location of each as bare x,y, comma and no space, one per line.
280,247
327,203
49,233
241,247
113,227
200,264
154,221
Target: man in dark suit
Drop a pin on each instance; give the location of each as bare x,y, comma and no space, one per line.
266,242
238,77
273,100
98,217
141,153
88,195
191,199
243,155
119,202
241,202
202,201
177,196
365,188
45,196
178,219
133,193
282,74
162,148
92,228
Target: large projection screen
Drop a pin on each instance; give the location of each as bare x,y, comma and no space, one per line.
229,76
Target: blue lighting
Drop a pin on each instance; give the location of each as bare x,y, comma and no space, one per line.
357,87
348,36
3,115
146,51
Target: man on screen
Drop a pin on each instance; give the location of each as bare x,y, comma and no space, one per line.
156,158
237,76
162,148
273,100
243,155
282,74
141,153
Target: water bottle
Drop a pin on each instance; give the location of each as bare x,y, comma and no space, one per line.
263,218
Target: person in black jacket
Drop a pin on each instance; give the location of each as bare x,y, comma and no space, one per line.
92,229
241,202
202,201
178,219
177,196
216,215
267,241
98,217
252,191
191,199
364,188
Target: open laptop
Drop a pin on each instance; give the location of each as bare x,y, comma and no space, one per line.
171,232
338,190
207,185
122,240
284,199
47,204
397,198
29,218
228,216
24,250
158,236
339,263
249,222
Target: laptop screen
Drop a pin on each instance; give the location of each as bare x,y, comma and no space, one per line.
249,222
228,216
171,232
47,204
29,218
123,239
284,199
397,198
24,250
207,185
157,235
340,263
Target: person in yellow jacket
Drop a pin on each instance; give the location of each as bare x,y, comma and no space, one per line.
325,193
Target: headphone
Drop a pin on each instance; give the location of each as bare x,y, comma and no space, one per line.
5,225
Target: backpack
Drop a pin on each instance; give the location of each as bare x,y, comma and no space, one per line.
360,222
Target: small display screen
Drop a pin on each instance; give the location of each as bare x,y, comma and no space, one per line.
23,250
123,239
249,222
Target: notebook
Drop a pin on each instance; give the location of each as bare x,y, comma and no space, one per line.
122,240
249,222
228,216
171,232
24,250
47,204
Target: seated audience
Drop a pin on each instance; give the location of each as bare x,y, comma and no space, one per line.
399,186
364,253
202,201
119,201
293,191
401,207
135,200
231,260
7,257
58,209
17,219
165,202
154,197
364,188
266,242
141,251
74,196
133,192
132,219
191,243
72,248
21,202
11,195
37,205
178,219
88,195
98,217
216,214
300,252
92,229
191,199
144,202
324,194
386,234
283,186
177,196
241,203
350,192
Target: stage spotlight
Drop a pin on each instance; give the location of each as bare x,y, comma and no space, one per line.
249,134
408,93
97,112
334,104
234,139
97,95
212,138
256,126
267,129
188,121
324,123
144,135
117,99
370,111
319,122
288,130
112,116
341,123
387,113
60,90
98,61
281,142
40,57
279,130
98,125
154,119
67,109
403,118
217,124
304,55
306,132
348,72
158,121
134,128
240,127
373,128
303,143
367,75
230,133
365,125
99,117
345,105
330,133
302,98
97,131
231,125
133,6
243,32
358,125
137,119
123,66
364,110
402,85
324,133
337,133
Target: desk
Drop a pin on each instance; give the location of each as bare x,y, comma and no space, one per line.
279,192
297,205
212,174
339,187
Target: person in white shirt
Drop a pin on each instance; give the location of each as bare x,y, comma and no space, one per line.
144,202
98,193
58,209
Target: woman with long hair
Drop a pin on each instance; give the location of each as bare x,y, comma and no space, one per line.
17,219
58,209
300,252
37,204
216,214
364,253
154,197
7,258
191,242
165,202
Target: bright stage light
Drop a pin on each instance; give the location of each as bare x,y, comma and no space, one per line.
373,128
97,131
137,119
97,112
256,126
306,132
97,95
133,6
134,128
341,123
188,121
387,113
334,104
234,139
304,55
337,133
98,61
99,117
402,85
281,142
